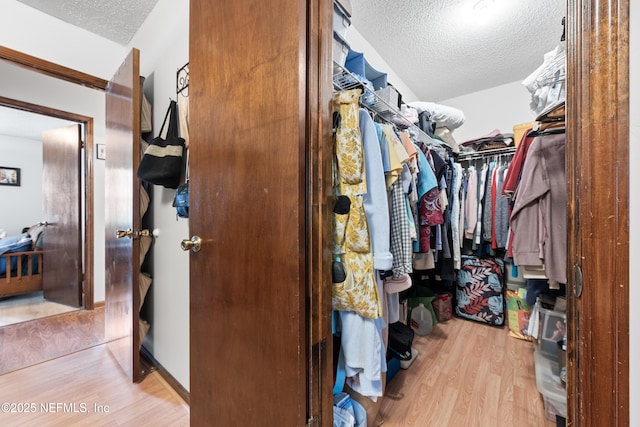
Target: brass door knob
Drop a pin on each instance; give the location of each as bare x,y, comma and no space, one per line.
194,244
124,233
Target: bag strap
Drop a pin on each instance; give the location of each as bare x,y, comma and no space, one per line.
173,120
164,122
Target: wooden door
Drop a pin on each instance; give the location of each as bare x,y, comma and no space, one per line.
259,76
122,200
62,240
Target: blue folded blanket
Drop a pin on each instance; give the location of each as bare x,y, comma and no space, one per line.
19,243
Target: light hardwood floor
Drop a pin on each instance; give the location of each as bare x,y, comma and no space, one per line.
87,388
466,374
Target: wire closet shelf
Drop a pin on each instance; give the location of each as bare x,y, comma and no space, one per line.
343,79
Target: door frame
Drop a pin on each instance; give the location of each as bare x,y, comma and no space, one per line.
57,71
87,208
598,212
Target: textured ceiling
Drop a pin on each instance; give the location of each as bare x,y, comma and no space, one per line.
116,20
440,48
444,48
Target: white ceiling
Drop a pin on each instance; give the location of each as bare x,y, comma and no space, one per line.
444,48
440,48
116,20
25,125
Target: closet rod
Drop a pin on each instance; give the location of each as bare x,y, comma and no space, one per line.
486,153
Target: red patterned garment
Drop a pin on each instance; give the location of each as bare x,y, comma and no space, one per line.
429,213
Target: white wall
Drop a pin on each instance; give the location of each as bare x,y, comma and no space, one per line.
360,44
30,31
25,200
499,107
162,53
634,208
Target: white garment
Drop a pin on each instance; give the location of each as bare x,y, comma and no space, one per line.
455,216
443,115
547,84
364,351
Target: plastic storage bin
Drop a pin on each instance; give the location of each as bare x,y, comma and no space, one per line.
341,20
550,386
513,275
552,329
340,49
389,99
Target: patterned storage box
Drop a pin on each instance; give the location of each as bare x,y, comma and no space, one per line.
480,290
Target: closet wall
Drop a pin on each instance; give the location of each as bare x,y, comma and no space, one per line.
359,44
509,105
634,209
162,53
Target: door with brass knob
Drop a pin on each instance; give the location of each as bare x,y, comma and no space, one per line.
194,244
122,217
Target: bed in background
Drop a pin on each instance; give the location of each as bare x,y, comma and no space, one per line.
21,260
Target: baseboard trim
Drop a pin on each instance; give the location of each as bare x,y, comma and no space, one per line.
173,383
98,304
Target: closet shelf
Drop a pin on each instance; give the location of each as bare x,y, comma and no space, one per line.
343,79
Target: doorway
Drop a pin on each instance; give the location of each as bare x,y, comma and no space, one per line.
51,300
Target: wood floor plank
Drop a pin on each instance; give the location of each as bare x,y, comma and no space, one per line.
95,391
467,374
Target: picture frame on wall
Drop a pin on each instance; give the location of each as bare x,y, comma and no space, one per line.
9,176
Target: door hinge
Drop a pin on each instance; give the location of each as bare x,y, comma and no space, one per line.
82,144
312,422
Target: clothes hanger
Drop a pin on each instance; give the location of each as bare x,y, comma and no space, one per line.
555,128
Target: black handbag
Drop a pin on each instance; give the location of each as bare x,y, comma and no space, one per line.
161,163
181,200
400,341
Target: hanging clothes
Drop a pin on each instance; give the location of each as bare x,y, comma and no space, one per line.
539,218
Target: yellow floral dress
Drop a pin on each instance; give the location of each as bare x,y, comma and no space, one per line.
351,241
